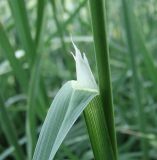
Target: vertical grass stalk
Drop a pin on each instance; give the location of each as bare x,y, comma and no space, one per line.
41,4
31,126
138,99
104,108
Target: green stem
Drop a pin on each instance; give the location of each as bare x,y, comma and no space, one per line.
129,33
98,132
98,15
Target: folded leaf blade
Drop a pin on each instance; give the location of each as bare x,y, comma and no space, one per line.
67,106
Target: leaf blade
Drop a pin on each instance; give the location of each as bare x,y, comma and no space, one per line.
8,128
65,109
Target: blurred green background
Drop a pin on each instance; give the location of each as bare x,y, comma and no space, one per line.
35,61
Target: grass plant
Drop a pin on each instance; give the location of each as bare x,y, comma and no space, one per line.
35,63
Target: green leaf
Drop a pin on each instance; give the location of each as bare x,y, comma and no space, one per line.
147,57
23,78
19,13
8,128
128,21
67,106
40,19
8,51
31,127
68,21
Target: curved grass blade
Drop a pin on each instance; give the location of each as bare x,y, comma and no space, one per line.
67,106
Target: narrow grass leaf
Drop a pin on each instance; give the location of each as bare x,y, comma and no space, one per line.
31,127
41,4
8,51
147,57
23,79
68,21
58,24
18,10
127,12
9,128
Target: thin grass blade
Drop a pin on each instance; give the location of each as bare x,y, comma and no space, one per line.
31,127
9,128
127,12
41,4
18,10
8,51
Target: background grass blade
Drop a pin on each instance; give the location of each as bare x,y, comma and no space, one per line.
10,54
17,68
9,128
129,33
18,10
98,16
64,111
143,49
60,29
58,25
11,149
41,4
69,20
31,126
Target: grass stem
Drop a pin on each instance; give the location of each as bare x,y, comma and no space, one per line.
98,16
